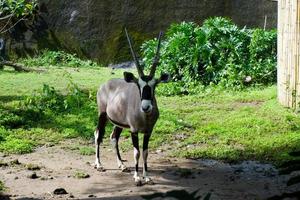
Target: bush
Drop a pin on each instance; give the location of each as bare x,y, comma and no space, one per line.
49,99
58,58
18,146
19,8
218,52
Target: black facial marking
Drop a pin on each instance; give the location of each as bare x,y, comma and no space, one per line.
147,93
146,78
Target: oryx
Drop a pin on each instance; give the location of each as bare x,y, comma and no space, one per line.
130,103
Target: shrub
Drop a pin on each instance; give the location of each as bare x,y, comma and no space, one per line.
217,53
49,99
58,58
14,145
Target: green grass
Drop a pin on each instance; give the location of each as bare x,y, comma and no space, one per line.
2,187
86,151
81,175
235,126
218,124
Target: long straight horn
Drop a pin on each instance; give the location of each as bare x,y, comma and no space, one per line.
156,58
138,66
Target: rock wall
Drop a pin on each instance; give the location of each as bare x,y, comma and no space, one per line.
95,28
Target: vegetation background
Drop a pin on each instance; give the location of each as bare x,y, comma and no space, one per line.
220,104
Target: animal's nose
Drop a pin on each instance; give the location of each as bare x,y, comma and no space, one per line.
145,109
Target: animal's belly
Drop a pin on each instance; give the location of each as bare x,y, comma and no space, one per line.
120,124
117,117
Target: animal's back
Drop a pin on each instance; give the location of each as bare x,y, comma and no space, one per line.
114,98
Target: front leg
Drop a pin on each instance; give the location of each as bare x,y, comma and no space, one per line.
99,133
136,152
148,180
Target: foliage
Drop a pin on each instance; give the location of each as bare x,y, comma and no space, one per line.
51,100
218,52
2,187
14,11
57,58
18,8
19,146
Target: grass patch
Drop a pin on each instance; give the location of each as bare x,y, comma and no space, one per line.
236,126
2,187
86,151
218,124
13,145
81,175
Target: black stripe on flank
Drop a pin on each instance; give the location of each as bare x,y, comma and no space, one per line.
119,124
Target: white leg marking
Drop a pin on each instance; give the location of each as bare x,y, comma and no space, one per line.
148,180
136,176
98,164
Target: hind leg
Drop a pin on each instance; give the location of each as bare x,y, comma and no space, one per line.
114,138
99,133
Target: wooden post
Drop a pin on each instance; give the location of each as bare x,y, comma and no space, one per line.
288,69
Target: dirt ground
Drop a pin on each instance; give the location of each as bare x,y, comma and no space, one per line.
247,180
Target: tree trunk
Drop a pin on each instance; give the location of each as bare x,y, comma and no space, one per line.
18,67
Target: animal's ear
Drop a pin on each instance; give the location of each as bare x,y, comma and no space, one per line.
129,77
164,78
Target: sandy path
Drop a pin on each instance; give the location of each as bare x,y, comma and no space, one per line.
248,180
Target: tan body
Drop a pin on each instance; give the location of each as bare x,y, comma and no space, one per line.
121,102
129,103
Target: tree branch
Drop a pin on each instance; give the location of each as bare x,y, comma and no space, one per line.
20,68
4,31
6,17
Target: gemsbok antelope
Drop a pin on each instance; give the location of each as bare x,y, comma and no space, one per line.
130,103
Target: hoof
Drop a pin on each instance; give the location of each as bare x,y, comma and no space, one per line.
138,183
149,181
100,169
125,169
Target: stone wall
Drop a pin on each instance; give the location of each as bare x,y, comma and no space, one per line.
95,28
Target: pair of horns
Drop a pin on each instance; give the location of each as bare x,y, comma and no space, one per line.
155,60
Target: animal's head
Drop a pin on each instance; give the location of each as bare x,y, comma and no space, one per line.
146,83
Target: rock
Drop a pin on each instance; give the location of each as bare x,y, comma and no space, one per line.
124,65
238,171
159,151
32,176
32,167
94,29
3,164
14,162
258,169
16,178
60,191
